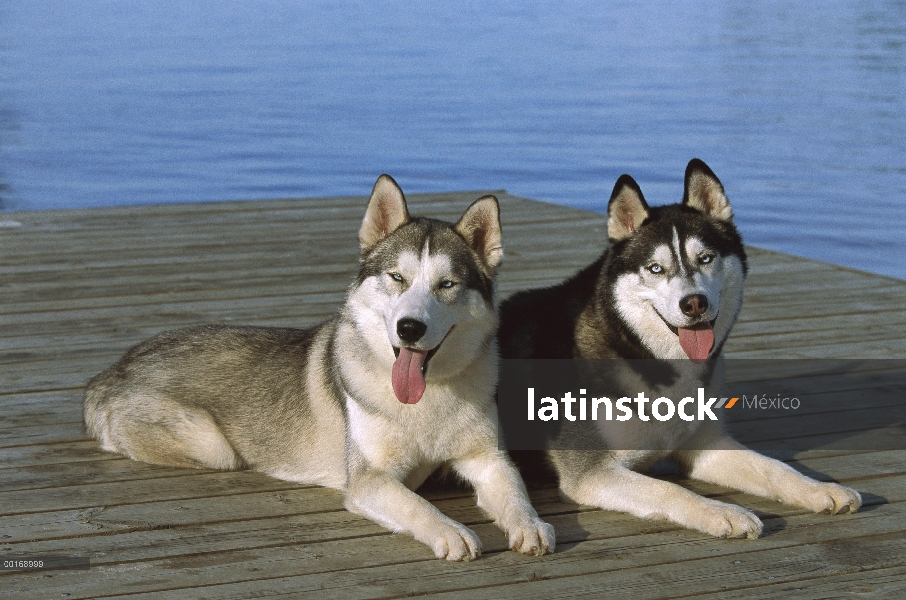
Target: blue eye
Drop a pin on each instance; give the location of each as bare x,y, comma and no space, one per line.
396,277
705,258
446,283
656,268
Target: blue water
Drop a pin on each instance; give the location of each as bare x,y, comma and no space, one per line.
800,109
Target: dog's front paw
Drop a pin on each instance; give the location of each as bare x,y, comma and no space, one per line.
532,536
832,499
456,542
730,521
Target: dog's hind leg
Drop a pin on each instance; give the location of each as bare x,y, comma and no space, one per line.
726,462
163,432
595,479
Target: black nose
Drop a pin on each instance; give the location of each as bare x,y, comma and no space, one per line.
694,305
410,330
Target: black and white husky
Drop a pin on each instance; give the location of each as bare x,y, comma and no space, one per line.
670,286
371,401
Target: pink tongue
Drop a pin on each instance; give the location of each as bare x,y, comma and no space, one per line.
408,380
697,341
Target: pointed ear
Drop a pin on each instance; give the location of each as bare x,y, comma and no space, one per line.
704,192
385,213
480,227
626,210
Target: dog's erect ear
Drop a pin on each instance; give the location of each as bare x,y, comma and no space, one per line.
480,227
704,192
626,210
386,212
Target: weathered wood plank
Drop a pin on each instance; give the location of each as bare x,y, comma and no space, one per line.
592,548
38,455
27,436
336,236
684,577
885,348
875,320
223,513
183,506
85,472
877,583
196,484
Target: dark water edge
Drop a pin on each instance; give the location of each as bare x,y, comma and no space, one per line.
799,109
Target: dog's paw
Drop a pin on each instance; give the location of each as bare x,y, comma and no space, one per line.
831,499
729,521
456,542
532,536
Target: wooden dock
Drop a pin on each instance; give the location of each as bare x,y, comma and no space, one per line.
80,287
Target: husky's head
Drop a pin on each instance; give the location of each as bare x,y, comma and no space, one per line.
677,271
424,299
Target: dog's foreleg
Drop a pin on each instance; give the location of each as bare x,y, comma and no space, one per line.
382,498
728,463
612,486
502,494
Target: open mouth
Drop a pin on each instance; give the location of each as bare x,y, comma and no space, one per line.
675,330
428,355
409,370
697,340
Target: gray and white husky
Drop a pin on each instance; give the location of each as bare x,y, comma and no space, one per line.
371,402
669,287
